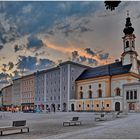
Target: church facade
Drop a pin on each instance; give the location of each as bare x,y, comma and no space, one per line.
112,87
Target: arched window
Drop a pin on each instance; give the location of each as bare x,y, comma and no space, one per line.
99,93
90,94
118,92
81,95
127,44
89,86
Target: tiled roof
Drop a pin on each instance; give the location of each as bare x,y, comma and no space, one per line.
106,70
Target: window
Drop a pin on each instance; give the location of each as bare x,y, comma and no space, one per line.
90,94
54,98
107,105
118,92
59,97
87,105
97,105
135,94
79,105
81,95
131,94
127,44
89,86
99,93
81,88
99,85
127,95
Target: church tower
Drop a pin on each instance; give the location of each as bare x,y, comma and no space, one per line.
129,55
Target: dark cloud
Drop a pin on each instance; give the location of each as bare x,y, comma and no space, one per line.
34,43
31,63
18,47
27,62
92,61
89,51
82,58
1,46
40,53
104,56
4,78
11,65
44,63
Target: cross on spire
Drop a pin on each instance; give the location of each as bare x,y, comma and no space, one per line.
127,13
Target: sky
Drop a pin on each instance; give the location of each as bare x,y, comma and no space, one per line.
39,35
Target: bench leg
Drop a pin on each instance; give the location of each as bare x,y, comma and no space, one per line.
21,131
1,133
28,130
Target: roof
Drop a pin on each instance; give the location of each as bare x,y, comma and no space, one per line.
74,63
106,70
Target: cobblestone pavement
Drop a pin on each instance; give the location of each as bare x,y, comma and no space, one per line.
49,126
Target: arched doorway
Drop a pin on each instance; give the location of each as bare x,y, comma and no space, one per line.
72,107
64,107
53,107
117,106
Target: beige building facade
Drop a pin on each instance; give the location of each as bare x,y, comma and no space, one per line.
27,92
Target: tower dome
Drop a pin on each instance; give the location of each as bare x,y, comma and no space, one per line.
128,26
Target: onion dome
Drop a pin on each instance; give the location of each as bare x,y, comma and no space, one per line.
128,29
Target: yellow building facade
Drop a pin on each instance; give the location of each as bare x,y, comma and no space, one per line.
102,88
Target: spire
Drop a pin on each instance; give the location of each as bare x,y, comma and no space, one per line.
128,29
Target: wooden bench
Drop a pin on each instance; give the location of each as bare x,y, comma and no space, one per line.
100,118
74,121
17,125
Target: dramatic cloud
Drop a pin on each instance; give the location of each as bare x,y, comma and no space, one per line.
27,62
11,65
104,56
34,43
4,78
89,51
31,63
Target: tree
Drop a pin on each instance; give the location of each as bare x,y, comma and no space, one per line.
112,4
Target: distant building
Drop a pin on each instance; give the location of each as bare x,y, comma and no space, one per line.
131,97
16,93
7,96
27,91
56,86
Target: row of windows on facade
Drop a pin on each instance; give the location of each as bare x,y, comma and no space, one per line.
131,94
51,98
27,89
99,85
90,93
52,90
28,82
97,105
